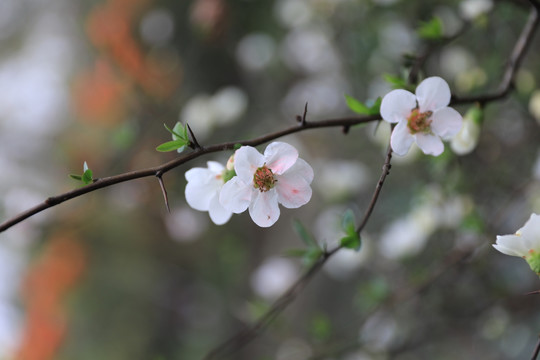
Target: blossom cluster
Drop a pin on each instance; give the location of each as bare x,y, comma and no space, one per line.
251,180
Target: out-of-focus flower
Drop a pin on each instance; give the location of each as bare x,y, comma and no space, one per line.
470,9
203,189
353,177
229,104
524,243
423,118
273,277
263,181
467,138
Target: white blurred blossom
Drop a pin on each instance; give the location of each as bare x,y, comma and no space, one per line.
273,277
157,27
467,138
471,9
184,224
255,51
339,178
293,13
204,112
379,331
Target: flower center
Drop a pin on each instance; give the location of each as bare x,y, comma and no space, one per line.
264,179
419,122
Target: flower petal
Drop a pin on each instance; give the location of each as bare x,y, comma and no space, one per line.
530,232
215,167
217,212
401,139
200,193
397,105
446,122
236,195
293,190
246,161
512,245
280,156
303,169
199,175
264,209
432,94
429,144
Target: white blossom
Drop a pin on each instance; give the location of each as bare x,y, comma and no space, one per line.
423,117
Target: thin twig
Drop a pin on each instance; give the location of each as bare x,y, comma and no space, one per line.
239,340
536,350
195,144
514,62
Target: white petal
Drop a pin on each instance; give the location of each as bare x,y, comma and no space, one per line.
429,144
397,105
303,169
446,123
200,175
293,190
432,94
264,209
401,139
246,161
217,212
236,195
199,194
215,167
280,156
512,245
530,232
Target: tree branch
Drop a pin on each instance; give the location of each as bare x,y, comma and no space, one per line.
514,62
161,169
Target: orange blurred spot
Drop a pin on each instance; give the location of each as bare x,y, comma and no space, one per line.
100,95
45,286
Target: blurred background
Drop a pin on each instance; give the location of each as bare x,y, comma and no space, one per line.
113,275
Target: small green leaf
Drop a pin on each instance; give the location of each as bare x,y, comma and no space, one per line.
87,177
180,132
356,105
237,146
431,30
306,237
351,241
75,177
320,327
347,224
172,145
396,81
311,255
375,109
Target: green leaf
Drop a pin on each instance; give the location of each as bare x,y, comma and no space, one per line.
375,109
87,177
75,177
311,255
306,237
237,146
180,132
396,81
320,327
351,241
356,105
431,30
172,145
347,224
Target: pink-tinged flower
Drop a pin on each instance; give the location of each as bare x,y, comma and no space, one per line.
203,188
263,181
423,117
524,243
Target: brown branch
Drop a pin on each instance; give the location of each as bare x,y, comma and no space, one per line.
239,340
161,169
536,350
514,62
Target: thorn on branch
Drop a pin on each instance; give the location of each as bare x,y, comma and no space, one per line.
194,144
302,119
346,129
163,190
